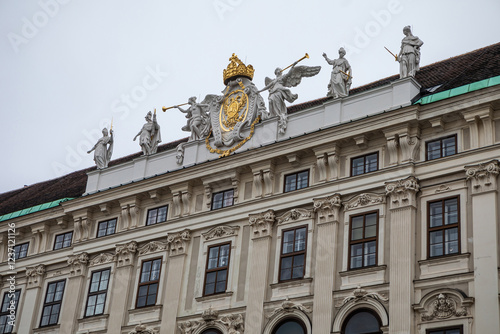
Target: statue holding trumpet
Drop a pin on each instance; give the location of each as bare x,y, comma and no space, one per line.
341,79
278,92
198,120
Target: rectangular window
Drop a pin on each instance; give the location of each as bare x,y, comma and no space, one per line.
63,240
148,283
10,300
158,215
364,164
20,251
296,181
222,199
363,240
448,330
52,303
217,267
440,148
293,254
107,227
443,226
98,290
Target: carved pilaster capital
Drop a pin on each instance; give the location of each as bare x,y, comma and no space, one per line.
125,253
402,193
483,176
78,264
328,208
35,276
178,242
262,223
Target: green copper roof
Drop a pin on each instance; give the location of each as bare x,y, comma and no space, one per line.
33,209
460,90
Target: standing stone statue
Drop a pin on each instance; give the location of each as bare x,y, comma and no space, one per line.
198,120
149,135
103,149
341,79
409,56
278,92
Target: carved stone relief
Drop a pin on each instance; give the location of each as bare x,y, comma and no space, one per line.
177,242
402,193
483,176
294,214
360,294
78,263
220,231
153,246
444,305
101,259
35,276
141,329
125,253
288,307
364,199
328,208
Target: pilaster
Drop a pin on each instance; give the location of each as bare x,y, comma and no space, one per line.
484,192
82,225
32,298
327,218
262,225
263,179
402,204
177,244
182,194
130,212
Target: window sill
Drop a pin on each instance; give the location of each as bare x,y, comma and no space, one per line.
93,323
144,314
295,288
444,265
47,329
214,296
363,276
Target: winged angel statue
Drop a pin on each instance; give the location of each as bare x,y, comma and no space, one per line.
278,92
198,118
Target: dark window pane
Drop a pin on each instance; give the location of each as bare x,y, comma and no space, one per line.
290,327
361,323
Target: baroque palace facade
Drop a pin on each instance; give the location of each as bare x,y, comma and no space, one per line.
372,213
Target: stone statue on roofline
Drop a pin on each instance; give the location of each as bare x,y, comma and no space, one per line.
409,56
149,135
341,79
103,149
198,119
278,92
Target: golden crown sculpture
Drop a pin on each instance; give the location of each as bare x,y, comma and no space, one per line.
237,68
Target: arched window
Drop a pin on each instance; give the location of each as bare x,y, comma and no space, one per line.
290,326
362,322
211,331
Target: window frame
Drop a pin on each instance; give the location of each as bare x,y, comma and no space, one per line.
97,293
156,219
52,303
293,253
286,320
296,174
107,227
431,330
440,147
364,156
217,269
17,253
17,296
148,283
443,227
64,238
223,199
363,240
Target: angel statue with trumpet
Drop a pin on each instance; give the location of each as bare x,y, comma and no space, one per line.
198,119
278,92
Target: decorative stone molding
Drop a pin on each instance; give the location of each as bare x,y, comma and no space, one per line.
35,276
62,222
234,323
294,159
289,307
483,176
141,329
78,264
155,195
321,164
210,315
81,227
333,163
361,141
262,223
294,214
360,294
208,195
362,200
186,202
177,205
130,208
235,182
442,188
392,149
409,147
101,259
105,208
177,242
188,327
268,177
257,184
328,208
125,253
403,193
152,247
220,232
447,303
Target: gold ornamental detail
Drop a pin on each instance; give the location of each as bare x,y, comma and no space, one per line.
237,68
229,114
225,153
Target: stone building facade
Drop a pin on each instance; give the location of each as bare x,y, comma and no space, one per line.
375,213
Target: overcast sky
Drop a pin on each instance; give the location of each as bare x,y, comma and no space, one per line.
68,67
